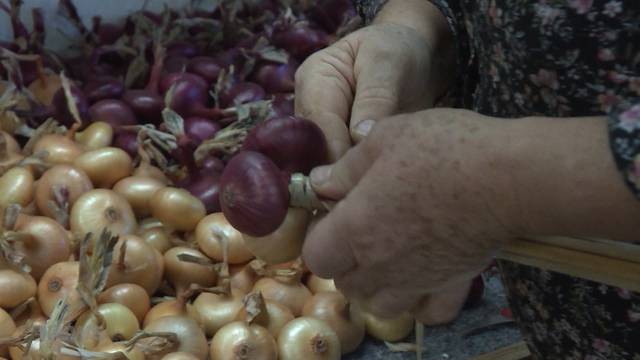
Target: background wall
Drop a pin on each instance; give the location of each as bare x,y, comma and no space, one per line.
107,9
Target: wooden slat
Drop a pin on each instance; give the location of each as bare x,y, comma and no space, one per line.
517,351
608,248
624,273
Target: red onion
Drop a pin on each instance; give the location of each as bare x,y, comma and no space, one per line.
174,64
282,105
276,78
206,67
145,104
294,144
61,109
253,194
300,41
241,93
127,140
183,49
199,129
103,87
167,81
204,185
114,112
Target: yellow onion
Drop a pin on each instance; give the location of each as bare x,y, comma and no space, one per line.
101,209
15,288
209,233
177,208
240,340
97,135
309,339
392,330
105,166
284,244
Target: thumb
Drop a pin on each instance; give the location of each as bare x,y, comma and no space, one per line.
335,181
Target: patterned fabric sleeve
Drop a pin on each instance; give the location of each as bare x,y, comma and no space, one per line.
624,131
459,94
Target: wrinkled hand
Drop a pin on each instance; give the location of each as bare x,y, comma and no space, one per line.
375,72
425,201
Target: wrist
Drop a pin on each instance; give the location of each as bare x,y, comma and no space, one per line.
565,181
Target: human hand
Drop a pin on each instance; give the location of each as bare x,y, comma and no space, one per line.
375,72
424,203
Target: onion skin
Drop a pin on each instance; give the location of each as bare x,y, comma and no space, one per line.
75,182
121,323
138,191
98,209
295,145
242,93
317,284
48,243
179,356
182,274
97,135
177,208
15,288
145,104
239,340
7,327
292,293
103,87
309,339
215,311
190,336
105,166
206,67
143,265
208,234
133,296
133,354
254,196
346,320
157,237
165,308
60,149
62,113
390,330
44,93
284,244
16,187
204,185
58,281
113,112
276,78
243,278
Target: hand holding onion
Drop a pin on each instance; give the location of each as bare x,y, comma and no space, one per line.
382,218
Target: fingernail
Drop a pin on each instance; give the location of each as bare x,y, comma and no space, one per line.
320,175
363,128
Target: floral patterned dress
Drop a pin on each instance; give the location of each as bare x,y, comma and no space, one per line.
557,58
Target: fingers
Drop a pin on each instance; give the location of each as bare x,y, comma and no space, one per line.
443,306
378,84
325,251
324,93
337,180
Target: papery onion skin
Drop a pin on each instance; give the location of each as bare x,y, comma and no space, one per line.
309,339
285,243
105,166
133,296
317,284
74,181
60,149
191,338
62,113
15,288
119,323
143,265
163,309
294,144
392,330
182,274
345,319
158,237
97,135
44,93
130,354
209,232
179,356
239,340
290,293
98,209
138,190
7,327
253,194
48,243
243,278
215,311
177,208
58,282
16,187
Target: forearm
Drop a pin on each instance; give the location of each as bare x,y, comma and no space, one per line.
567,181
426,19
